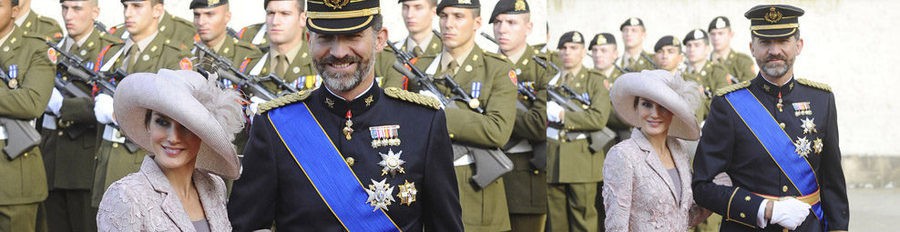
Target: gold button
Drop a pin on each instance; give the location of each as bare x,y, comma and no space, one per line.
537,171
784,188
451,136
115,145
743,215
26,154
350,161
781,125
60,133
747,198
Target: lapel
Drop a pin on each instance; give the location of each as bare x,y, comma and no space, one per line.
652,160
208,193
470,68
227,49
30,23
9,48
434,46
682,164
171,205
152,53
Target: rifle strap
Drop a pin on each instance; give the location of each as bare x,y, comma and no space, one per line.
432,68
106,67
257,69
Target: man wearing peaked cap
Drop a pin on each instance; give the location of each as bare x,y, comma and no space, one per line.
574,152
739,65
634,58
668,54
349,156
526,184
699,69
776,136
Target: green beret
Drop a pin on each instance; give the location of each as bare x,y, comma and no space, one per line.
470,4
570,37
509,7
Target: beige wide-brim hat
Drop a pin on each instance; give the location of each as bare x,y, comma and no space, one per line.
674,93
193,101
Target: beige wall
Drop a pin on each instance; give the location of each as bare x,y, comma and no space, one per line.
848,44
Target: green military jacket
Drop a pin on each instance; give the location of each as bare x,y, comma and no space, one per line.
23,179
173,28
739,65
711,77
571,161
255,34
114,161
241,54
434,47
622,129
69,151
42,26
300,73
644,62
526,186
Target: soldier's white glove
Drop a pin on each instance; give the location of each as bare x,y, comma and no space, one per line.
432,95
789,213
56,100
253,108
103,109
554,111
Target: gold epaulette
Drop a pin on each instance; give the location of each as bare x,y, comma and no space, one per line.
283,100
404,95
732,88
818,85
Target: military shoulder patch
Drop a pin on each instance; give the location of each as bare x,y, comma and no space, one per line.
283,101
814,84
497,56
416,98
732,88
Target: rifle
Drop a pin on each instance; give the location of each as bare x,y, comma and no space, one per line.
598,139
490,38
524,90
226,70
649,60
21,135
438,33
490,164
100,26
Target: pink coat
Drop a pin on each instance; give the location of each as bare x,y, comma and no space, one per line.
638,192
145,201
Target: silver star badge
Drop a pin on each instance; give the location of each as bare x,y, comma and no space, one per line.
802,145
817,145
391,163
380,195
809,126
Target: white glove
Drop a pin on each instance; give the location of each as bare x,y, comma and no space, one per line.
554,112
103,109
254,105
789,213
56,100
431,95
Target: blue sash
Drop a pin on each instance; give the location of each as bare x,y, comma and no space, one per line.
324,165
777,143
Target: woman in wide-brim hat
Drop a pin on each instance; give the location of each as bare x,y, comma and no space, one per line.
647,177
186,123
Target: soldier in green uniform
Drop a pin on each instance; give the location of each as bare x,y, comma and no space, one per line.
526,184
739,65
146,50
486,77
180,32
418,16
668,55
32,22
256,33
604,52
700,69
70,128
634,58
25,93
573,168
288,57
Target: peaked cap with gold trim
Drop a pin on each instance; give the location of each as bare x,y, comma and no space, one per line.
774,21
341,16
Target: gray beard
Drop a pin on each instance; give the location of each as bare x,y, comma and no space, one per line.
342,82
777,71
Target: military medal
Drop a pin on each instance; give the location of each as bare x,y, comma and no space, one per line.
802,108
817,145
779,105
803,146
13,73
387,135
51,53
407,193
391,163
348,130
809,126
380,195
476,92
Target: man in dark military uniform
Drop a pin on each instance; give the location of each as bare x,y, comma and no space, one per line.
418,16
634,58
32,22
26,91
604,52
526,184
488,78
739,65
777,138
146,50
69,126
573,168
350,156
700,69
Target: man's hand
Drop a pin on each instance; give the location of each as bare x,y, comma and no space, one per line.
789,213
56,100
554,112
